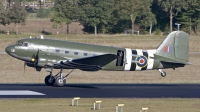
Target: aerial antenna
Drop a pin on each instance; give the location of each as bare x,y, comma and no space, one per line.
178,26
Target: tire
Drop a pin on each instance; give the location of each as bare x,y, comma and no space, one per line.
163,74
60,82
48,82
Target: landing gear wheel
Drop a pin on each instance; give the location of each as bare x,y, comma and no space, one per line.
163,74
48,81
60,82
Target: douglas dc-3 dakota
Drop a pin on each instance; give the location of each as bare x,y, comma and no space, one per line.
51,54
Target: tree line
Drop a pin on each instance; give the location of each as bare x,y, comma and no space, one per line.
116,16
15,14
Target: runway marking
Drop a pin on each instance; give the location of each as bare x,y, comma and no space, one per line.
19,92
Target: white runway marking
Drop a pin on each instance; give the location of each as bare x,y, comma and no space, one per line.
19,92
3,53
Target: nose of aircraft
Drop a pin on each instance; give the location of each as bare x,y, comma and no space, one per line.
10,49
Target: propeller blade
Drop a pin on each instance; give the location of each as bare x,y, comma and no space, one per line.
24,66
36,59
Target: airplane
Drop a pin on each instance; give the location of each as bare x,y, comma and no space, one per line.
50,54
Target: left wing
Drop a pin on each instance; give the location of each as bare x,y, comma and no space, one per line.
93,63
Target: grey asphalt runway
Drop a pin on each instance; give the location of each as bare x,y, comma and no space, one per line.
100,91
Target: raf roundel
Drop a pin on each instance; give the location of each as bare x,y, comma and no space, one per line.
142,61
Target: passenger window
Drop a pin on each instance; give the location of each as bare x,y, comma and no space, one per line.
57,51
85,54
66,52
75,53
25,44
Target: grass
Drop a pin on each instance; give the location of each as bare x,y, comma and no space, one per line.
107,105
188,74
125,41
12,71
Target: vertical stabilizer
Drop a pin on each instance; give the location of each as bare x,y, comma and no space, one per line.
175,48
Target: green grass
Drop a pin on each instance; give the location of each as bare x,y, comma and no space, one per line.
188,74
12,72
107,105
125,41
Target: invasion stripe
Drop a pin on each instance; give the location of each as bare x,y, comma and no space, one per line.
128,59
140,53
133,65
151,60
146,55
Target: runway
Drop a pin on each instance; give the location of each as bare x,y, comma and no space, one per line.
100,91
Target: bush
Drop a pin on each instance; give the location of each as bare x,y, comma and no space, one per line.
3,32
144,32
46,32
157,32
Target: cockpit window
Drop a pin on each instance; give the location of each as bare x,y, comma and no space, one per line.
25,44
19,43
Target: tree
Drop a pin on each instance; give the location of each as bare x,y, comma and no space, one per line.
1,10
105,13
17,14
186,17
173,7
131,9
4,18
96,12
149,20
64,12
196,16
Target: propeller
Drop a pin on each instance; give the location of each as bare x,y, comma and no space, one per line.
35,59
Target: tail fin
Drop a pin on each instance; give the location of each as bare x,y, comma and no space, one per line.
175,48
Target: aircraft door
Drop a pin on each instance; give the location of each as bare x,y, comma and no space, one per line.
120,58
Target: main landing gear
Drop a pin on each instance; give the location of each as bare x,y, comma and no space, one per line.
163,74
58,79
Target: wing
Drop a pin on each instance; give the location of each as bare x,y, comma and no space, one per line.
93,63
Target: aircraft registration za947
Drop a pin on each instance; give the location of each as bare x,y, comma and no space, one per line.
50,54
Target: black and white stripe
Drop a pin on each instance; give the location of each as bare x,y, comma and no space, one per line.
133,66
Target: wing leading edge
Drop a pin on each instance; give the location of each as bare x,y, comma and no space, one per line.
93,63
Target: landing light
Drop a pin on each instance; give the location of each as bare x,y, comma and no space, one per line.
32,59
